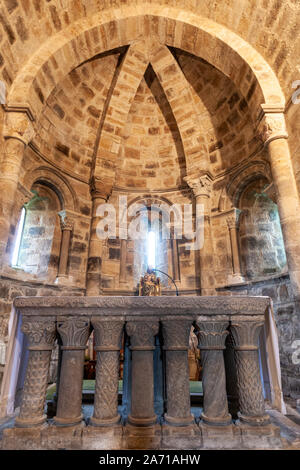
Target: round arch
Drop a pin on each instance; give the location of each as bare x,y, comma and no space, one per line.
118,27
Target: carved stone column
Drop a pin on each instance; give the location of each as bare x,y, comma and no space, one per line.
274,134
251,400
74,332
212,336
66,227
108,336
202,186
41,336
93,286
17,131
231,378
233,226
176,335
142,390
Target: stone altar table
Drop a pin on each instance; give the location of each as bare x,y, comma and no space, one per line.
215,318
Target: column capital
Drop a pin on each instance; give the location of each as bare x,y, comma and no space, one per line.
142,334
212,335
108,334
201,184
176,334
74,332
65,222
233,219
18,125
41,333
245,334
99,189
272,124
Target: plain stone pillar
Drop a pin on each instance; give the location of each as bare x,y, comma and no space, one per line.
142,388
202,186
108,336
251,399
41,336
176,335
66,227
74,332
93,285
274,135
212,336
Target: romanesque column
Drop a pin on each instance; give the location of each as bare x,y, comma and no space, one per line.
41,334
74,332
66,227
275,136
251,399
212,336
108,336
231,377
93,286
202,186
18,131
233,227
176,333
142,387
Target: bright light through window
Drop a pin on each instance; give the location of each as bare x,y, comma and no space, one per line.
15,255
151,248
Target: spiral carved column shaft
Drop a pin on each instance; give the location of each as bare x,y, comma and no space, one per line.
251,400
74,333
41,336
142,396
176,344
108,336
212,336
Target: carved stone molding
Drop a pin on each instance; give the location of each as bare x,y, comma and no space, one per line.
212,335
99,189
245,334
142,334
74,332
18,125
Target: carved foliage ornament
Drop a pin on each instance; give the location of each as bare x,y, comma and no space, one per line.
246,334
39,333
65,222
212,335
176,334
74,332
108,333
272,127
201,185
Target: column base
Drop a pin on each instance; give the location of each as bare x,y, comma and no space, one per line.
260,437
254,420
141,437
181,437
104,422
67,421
179,421
220,437
142,422
30,423
219,421
102,437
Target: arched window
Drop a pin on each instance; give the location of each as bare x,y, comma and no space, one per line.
261,241
36,231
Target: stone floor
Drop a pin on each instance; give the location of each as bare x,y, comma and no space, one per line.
160,438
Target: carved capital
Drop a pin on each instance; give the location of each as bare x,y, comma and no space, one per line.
41,333
245,334
108,334
99,189
65,222
74,332
211,335
201,185
18,125
176,334
142,334
272,126
233,219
